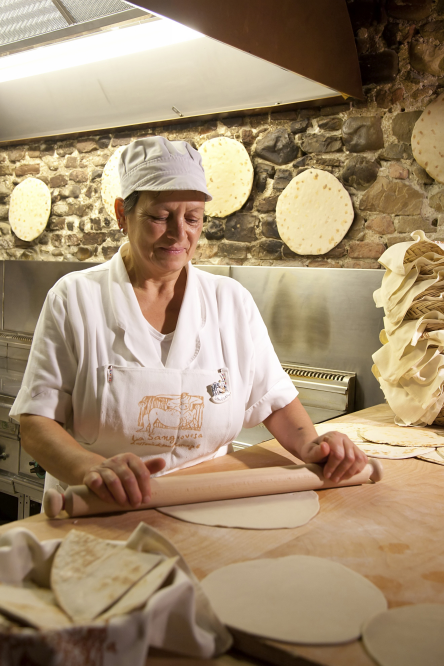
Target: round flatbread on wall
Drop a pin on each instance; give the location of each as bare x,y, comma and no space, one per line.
229,174
428,139
314,212
111,182
29,208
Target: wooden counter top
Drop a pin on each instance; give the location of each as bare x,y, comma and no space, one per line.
390,532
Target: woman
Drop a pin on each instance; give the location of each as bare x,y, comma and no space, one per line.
145,364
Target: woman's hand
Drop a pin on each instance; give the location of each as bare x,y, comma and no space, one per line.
343,459
124,479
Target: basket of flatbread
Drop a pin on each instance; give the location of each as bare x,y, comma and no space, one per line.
84,601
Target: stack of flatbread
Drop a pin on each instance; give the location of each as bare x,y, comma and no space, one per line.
390,442
410,364
95,595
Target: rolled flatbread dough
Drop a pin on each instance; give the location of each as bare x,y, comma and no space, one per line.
29,208
428,139
269,512
352,430
433,456
407,636
297,599
111,182
314,212
229,174
398,436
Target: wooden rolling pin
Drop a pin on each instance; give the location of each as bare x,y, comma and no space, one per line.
173,490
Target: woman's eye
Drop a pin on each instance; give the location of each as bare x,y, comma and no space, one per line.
192,221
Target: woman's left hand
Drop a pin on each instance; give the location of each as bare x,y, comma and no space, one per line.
343,459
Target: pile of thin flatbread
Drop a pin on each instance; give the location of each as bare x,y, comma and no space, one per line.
111,600
391,442
410,364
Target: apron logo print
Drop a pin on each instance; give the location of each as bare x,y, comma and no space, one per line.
219,390
169,412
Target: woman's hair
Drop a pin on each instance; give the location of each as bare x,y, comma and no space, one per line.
130,201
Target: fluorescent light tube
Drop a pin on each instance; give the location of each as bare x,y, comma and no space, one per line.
94,48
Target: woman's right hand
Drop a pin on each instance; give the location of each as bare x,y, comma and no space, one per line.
124,479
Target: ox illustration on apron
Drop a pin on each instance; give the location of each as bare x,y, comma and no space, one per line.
179,415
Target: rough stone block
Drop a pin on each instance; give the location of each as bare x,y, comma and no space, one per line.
96,173
392,197
362,133
269,227
61,209
408,223
64,149
321,143
16,154
109,251
360,172
27,169
71,191
334,110
352,263
86,145
436,201
267,205
263,167
57,240
5,170
381,224
323,263
78,176
267,248
247,136
94,238
71,162
282,178
382,67
356,231
398,238
58,181
288,254
398,171
56,224
33,152
422,175
215,229
396,151
277,146
122,139
340,250
433,30
72,239
365,250
233,250
103,141
261,181
427,57
241,227
84,253
330,124
4,212
403,124
300,126
409,10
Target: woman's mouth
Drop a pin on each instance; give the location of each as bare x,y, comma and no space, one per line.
172,251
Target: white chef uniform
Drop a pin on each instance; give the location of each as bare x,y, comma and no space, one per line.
94,368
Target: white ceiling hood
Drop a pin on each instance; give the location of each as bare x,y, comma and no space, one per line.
135,75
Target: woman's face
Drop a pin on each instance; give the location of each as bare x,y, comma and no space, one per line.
163,229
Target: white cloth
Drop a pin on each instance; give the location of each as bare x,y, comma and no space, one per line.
91,320
162,343
177,618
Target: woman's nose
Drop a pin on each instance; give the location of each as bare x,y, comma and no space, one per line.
177,228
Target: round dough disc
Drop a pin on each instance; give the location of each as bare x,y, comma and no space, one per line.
428,139
352,430
314,212
111,182
297,599
397,436
270,512
407,636
229,174
29,208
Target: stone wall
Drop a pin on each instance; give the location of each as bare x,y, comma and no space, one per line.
366,144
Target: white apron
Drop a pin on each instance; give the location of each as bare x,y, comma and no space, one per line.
179,415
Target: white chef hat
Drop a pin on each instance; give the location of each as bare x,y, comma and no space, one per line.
156,164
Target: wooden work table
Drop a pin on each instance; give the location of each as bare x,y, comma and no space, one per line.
390,532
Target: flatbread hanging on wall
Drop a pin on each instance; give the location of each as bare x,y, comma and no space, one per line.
314,212
111,182
29,208
428,139
229,174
